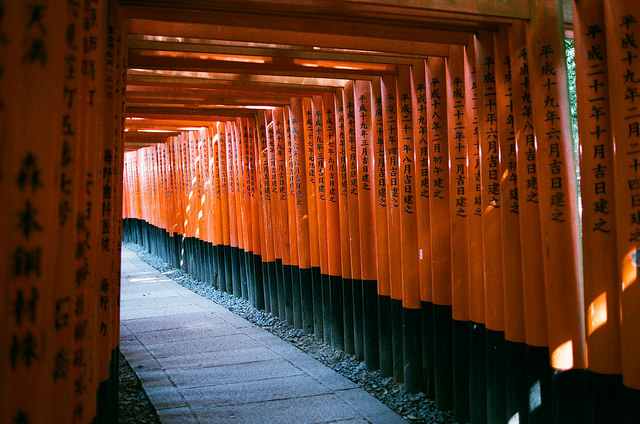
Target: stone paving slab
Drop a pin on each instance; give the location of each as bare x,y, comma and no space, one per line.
182,320
219,358
255,391
200,363
235,373
311,409
201,345
197,331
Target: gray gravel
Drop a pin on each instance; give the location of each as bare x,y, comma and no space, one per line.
134,405
415,408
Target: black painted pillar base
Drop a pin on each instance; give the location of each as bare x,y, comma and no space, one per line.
288,293
267,288
496,379
107,406
516,381
370,324
569,397
460,335
220,277
273,287
384,336
347,314
442,355
412,349
477,374
316,284
282,314
539,384
242,273
337,329
235,262
296,296
250,281
228,269
258,282
396,339
326,308
177,250
631,398
306,294
212,265
358,316
426,310
606,399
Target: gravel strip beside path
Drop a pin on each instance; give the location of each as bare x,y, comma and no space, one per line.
135,407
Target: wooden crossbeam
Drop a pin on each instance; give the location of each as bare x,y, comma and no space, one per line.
204,113
147,86
186,96
198,45
310,34
274,66
211,79
433,13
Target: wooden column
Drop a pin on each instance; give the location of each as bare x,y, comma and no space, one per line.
343,202
354,213
294,273
364,144
382,234
622,30
334,258
459,122
299,135
323,291
439,204
390,126
599,235
268,255
421,150
558,209
314,246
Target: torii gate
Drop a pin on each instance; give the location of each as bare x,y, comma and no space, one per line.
397,177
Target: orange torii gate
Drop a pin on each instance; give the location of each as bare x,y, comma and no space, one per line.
397,178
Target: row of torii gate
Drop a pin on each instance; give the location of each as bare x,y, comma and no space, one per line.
398,178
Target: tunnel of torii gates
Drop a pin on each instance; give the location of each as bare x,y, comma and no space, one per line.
396,177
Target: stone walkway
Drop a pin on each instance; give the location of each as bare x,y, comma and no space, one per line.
200,363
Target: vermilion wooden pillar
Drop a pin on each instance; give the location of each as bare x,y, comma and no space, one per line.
390,127
268,255
492,231
535,319
412,338
298,138
224,206
622,29
382,234
334,258
294,274
354,214
343,202
440,208
307,110
423,218
282,216
214,159
459,124
558,210
323,293
364,144
599,241
517,396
